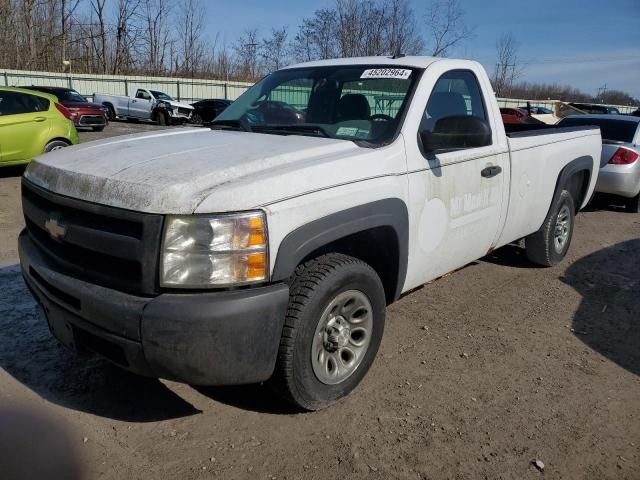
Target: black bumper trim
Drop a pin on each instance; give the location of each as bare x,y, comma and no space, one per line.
210,338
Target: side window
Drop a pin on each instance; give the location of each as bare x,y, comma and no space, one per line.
38,104
456,93
142,94
13,103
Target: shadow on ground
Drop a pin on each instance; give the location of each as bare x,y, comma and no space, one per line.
33,357
511,255
256,398
608,318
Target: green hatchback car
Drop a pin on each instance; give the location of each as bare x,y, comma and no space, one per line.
32,123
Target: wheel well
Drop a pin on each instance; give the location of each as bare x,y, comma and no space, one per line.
378,247
578,185
59,140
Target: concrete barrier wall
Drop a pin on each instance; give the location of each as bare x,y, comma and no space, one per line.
186,89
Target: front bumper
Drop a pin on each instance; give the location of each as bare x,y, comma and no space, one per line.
91,120
210,338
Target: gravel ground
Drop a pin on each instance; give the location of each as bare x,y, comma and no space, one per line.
479,374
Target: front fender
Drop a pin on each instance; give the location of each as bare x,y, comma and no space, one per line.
300,243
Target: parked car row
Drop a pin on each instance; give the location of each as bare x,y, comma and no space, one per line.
83,112
32,123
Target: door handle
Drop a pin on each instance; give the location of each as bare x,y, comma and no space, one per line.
39,119
491,171
133,101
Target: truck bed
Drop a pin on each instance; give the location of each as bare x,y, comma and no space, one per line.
517,130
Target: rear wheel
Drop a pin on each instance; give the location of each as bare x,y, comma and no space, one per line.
332,331
550,244
55,145
633,204
196,118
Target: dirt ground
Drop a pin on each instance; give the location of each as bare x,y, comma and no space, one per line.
479,374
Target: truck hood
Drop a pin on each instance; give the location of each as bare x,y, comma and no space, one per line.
178,104
174,171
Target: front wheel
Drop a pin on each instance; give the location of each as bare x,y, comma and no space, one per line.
55,145
163,119
549,245
332,331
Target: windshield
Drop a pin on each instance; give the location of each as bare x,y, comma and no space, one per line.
70,96
616,130
160,95
359,103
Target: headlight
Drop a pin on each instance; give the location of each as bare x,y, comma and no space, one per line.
214,251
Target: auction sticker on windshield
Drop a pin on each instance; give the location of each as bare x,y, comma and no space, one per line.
401,73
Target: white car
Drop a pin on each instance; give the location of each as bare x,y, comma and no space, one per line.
145,104
266,247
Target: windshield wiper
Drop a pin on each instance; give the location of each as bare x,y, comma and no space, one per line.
237,124
314,130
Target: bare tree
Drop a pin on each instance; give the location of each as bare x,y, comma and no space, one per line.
246,50
67,9
508,68
275,49
99,38
156,39
190,35
317,36
125,36
447,26
402,31
28,13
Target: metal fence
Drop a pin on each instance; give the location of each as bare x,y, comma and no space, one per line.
192,89
184,89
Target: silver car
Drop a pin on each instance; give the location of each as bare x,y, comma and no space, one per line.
619,165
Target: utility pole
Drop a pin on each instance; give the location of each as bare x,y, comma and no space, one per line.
602,91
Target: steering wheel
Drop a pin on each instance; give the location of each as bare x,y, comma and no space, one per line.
381,116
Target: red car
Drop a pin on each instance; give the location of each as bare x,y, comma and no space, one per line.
83,113
513,115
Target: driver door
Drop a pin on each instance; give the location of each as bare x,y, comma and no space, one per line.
140,106
459,191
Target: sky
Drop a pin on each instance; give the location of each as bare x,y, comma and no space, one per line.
584,43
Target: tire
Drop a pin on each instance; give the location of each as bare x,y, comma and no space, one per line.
55,145
196,118
98,129
162,119
632,205
549,245
111,113
343,347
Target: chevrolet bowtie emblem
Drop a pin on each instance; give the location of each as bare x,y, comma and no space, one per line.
56,230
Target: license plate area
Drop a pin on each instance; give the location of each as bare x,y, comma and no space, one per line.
59,325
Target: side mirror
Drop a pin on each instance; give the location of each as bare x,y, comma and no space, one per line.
455,133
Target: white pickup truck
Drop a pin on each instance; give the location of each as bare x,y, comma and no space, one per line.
266,247
145,104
